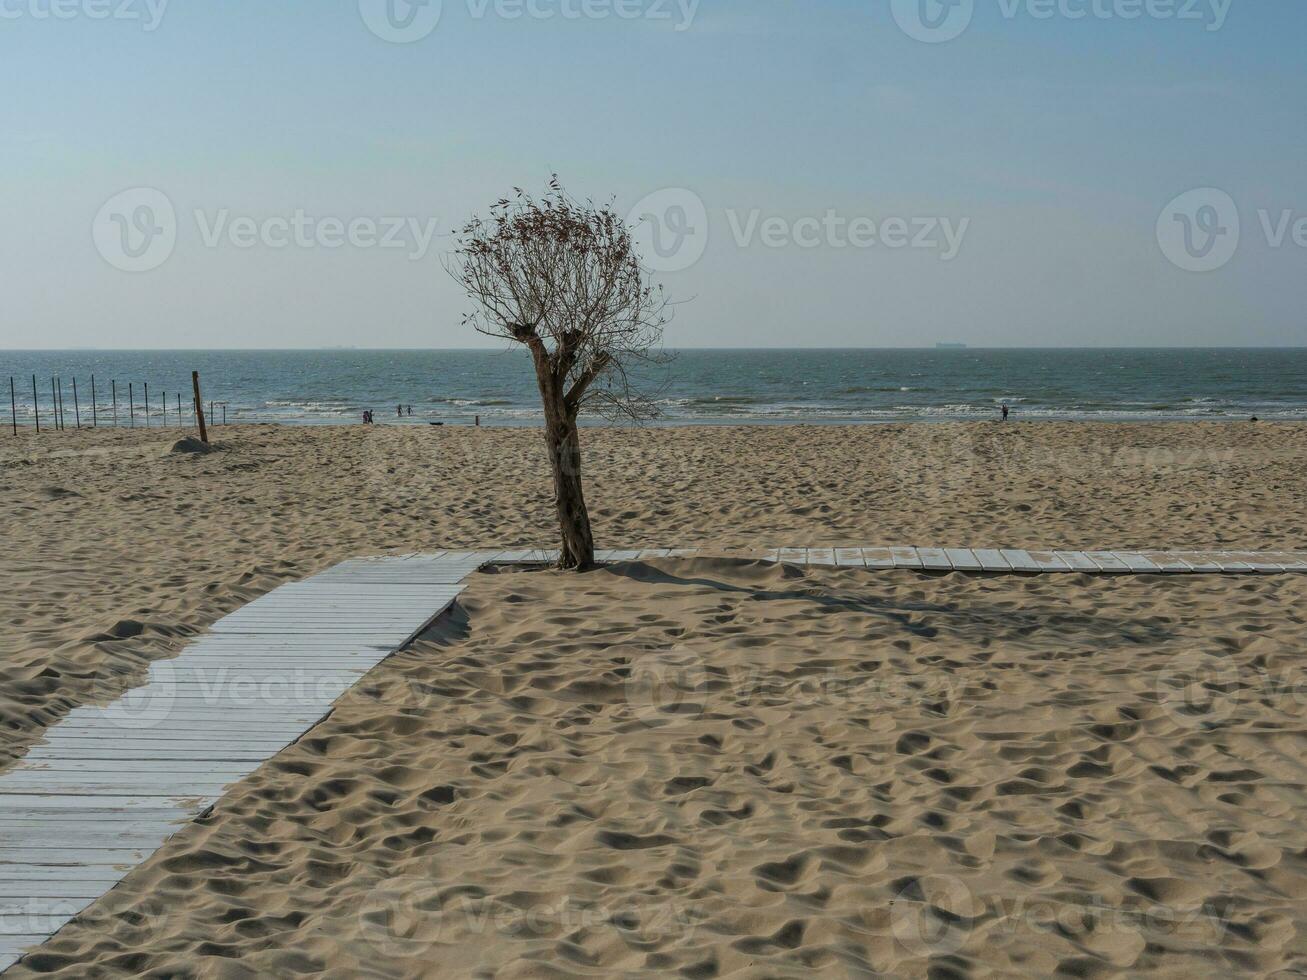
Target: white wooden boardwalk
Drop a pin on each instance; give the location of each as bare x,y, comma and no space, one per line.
1008,561
109,785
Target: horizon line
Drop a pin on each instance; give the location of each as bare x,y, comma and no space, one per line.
947,348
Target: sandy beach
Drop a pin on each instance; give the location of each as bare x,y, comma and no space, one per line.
707,768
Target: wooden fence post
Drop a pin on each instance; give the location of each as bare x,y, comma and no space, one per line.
13,404
95,417
199,407
77,409
131,405
36,405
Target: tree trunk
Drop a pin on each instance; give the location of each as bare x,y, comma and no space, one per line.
564,444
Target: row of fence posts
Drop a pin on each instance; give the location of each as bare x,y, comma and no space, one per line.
59,419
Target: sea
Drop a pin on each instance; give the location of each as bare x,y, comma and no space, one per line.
696,387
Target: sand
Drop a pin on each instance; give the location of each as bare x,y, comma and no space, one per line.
724,768
982,761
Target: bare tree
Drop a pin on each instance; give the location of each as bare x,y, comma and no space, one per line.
562,279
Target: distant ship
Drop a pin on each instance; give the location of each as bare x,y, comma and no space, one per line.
950,347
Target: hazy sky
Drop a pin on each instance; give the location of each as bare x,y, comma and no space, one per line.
295,170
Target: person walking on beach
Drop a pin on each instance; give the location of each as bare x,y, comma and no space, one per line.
1006,411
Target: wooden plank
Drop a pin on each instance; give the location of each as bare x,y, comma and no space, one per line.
274,674
112,769
448,576
338,605
991,560
335,645
963,559
1019,560
167,785
1048,561
304,706
57,744
795,556
1108,562
206,729
122,857
1199,561
19,900
273,722
129,739
1078,561
33,880
257,753
877,558
850,558
1257,561
1228,564
1169,562
397,635
1136,562
38,804
934,560
905,557
353,596
821,556
314,623
621,555
350,586
173,711
115,837
271,656
62,821
516,557
1288,561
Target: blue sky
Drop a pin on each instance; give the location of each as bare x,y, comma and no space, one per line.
1052,144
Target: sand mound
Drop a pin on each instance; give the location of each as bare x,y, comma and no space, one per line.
192,445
